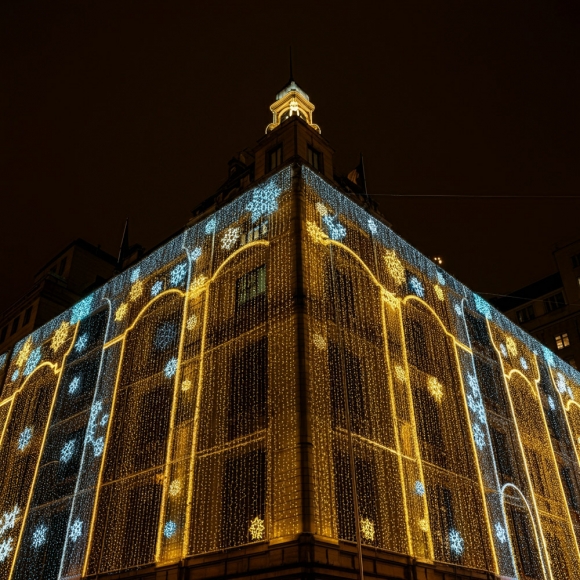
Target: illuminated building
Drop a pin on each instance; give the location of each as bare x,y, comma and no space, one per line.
216,409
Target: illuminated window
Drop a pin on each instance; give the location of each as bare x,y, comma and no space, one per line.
274,158
315,158
251,285
260,231
576,261
27,315
562,341
526,314
14,325
554,302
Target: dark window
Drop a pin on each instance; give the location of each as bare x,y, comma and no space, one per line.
354,388
3,334
442,513
553,423
554,302
14,325
274,158
342,295
576,261
315,158
429,426
27,315
536,473
243,496
569,488
478,334
62,266
417,349
248,400
502,455
562,341
526,314
488,378
251,285
526,552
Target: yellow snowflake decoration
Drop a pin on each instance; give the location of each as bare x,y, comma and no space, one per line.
317,235
511,346
175,487
191,322
389,298
319,342
423,525
24,352
395,267
257,528
400,373
367,529
136,290
435,388
121,312
60,335
321,209
197,286
186,385
439,292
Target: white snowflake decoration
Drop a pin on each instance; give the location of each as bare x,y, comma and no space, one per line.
230,238
548,355
551,403
98,446
264,201
319,341
478,436
177,275
210,226
186,385
175,487
165,335
24,438
416,287
195,254
81,309
335,229
474,400
561,383
67,451
482,306
98,443
104,420
321,208
440,278
456,542
135,275
458,309
39,536
5,549
32,361
15,375
156,288
503,349
419,488
82,342
170,368
500,533
8,520
169,529
524,363
372,226
74,385
76,530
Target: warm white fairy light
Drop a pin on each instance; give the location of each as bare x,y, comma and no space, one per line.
230,238
257,528
60,335
367,529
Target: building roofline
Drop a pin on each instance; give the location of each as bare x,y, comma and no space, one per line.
528,293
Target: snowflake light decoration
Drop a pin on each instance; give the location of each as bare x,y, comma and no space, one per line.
82,342
524,363
257,528
67,451
156,288
440,278
482,306
98,443
98,446
32,361
435,388
210,226
178,274
104,420
15,375
135,275
170,368
230,238
423,525
395,267
419,488
474,400
439,292
60,335
5,549
136,290
186,385
319,342
503,350
500,533
264,201
317,235
458,309
81,309
367,529
335,229
456,542
478,436
24,438
511,346
76,530
39,536
372,226
548,355
24,352
197,285
389,298
400,373
191,322
551,403
8,520
165,335
175,487
561,383
169,529
195,254
74,385
121,311
416,287
321,208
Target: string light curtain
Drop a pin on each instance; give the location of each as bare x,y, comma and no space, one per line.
162,416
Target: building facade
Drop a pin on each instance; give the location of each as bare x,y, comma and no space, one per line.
287,389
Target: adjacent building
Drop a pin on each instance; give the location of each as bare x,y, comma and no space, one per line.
287,389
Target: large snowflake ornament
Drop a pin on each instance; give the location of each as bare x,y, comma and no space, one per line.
478,436
474,400
175,487
74,385
169,529
165,335
335,229
156,288
178,274
24,438
81,309
170,368
257,528
67,451
96,420
60,335
416,287
210,226
482,306
121,311
456,542
264,201
82,342
24,352
98,446
191,322
419,488
230,238
317,235
8,519
136,290
32,361
6,549
435,388
367,529
76,530
195,254
511,346
395,267
39,536
500,533
372,226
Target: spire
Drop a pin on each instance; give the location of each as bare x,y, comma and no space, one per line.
124,249
291,73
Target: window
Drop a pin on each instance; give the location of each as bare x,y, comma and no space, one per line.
251,285
526,552
62,266
342,295
3,334
526,314
569,488
27,315
14,325
570,361
576,261
315,158
441,509
502,454
554,302
274,158
562,341
260,231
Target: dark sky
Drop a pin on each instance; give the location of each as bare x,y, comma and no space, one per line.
115,109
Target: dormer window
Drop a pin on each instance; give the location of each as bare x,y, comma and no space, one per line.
274,158
315,158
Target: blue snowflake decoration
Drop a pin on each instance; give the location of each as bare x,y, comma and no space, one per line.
458,309
6,549
456,542
372,226
165,335
169,529
81,309
156,288
82,342
503,350
98,443
39,536
440,277
8,519
419,488
482,306
177,275
32,361
478,436
76,530
474,400
74,385
15,375
170,368
416,287
264,201
548,355
500,533
98,446
551,403
104,420
195,254
24,438
210,226
524,363
336,230
67,451
135,275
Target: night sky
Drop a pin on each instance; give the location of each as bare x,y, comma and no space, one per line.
116,109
